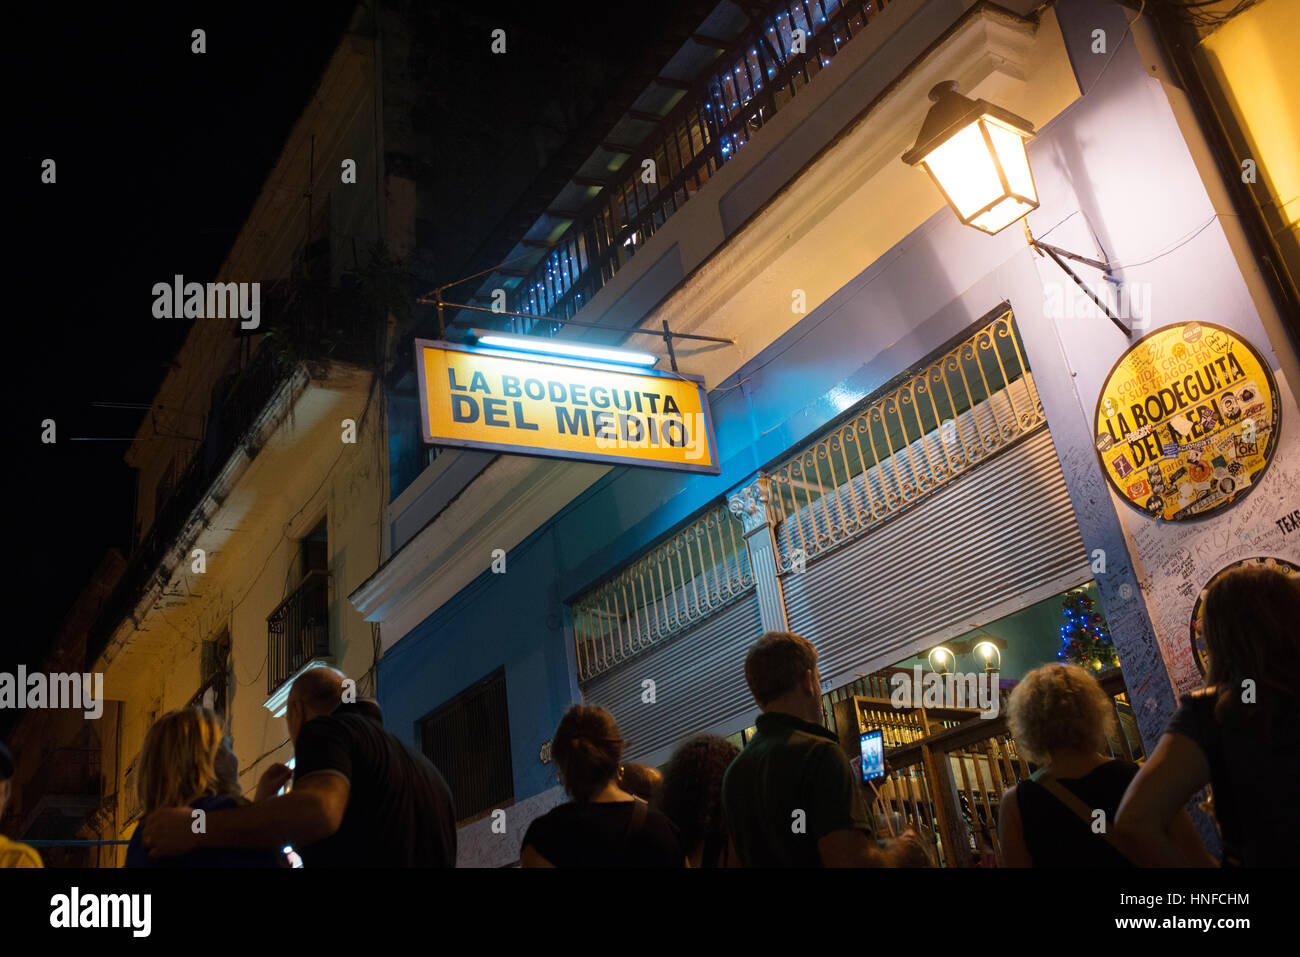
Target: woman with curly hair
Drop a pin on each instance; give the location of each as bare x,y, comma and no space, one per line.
691,796
1062,815
1241,734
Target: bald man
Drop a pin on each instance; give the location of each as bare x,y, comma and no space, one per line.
360,798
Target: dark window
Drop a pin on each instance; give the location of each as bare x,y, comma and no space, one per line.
468,740
314,556
214,676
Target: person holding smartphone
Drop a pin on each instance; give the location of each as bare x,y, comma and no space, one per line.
791,797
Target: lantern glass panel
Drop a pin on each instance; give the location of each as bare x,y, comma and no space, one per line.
965,170
1010,147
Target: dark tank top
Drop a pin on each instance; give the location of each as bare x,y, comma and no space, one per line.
1057,837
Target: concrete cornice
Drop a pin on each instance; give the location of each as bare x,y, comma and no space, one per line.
454,549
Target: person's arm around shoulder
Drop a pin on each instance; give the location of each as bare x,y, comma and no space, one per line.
1147,826
311,812
1011,832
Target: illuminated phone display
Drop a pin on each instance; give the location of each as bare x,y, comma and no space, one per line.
873,755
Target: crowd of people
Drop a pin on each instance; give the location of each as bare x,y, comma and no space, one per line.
790,798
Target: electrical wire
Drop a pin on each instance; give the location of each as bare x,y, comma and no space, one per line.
1178,244
1192,12
262,757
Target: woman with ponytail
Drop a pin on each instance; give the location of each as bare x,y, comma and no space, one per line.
603,825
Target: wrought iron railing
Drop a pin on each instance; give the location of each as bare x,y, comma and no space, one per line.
701,569
298,631
761,72
946,417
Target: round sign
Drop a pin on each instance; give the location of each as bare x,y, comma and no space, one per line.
1198,610
1187,421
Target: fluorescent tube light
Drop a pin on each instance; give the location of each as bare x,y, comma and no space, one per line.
555,347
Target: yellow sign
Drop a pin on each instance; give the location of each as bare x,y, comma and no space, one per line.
493,399
1187,421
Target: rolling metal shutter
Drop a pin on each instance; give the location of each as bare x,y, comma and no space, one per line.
1001,532
699,679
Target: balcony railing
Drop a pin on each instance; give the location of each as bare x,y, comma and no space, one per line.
298,631
301,321
948,415
694,574
761,72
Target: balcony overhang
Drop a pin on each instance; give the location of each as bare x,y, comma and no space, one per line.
307,400
278,703
455,548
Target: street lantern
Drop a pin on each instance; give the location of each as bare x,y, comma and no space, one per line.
975,153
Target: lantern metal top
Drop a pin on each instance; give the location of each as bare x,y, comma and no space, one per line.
951,113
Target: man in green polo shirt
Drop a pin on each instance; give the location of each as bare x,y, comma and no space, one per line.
791,797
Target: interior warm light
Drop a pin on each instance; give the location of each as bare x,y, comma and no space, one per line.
991,654
975,153
942,660
572,350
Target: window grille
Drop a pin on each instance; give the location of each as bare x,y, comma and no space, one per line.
702,568
947,415
468,741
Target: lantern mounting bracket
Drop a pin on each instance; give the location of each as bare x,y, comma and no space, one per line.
1057,255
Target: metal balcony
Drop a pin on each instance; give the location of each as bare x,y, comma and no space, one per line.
298,630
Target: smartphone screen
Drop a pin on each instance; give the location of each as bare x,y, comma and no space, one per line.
873,755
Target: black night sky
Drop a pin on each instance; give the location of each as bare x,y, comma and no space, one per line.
160,155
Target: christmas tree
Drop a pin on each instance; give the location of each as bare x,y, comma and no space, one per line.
1084,638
